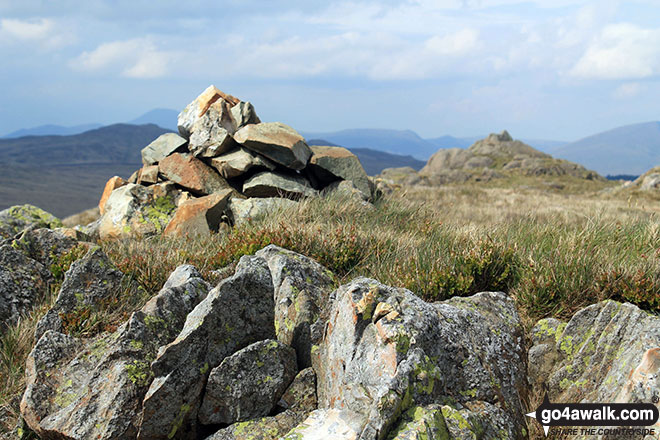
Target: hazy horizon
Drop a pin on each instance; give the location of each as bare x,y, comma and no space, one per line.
557,70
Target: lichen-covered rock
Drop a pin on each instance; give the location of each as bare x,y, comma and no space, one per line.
607,352
303,290
421,423
112,184
479,420
248,383
278,142
333,163
270,184
44,245
237,313
16,218
138,211
23,281
386,350
199,217
238,162
192,174
162,147
92,389
243,211
301,394
89,282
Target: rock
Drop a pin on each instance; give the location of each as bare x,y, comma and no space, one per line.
238,162
237,313
607,352
332,163
211,133
346,190
86,389
301,394
278,142
421,423
192,174
386,350
111,185
147,175
44,245
82,218
650,181
162,147
303,290
243,211
199,217
138,211
398,176
269,184
23,282
198,108
15,219
328,423
248,383
89,282
476,420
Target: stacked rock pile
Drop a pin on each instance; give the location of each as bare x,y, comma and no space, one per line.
225,166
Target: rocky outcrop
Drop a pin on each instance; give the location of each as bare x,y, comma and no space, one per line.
607,352
498,156
224,145
81,389
23,282
15,219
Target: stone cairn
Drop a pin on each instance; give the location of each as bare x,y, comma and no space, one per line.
225,167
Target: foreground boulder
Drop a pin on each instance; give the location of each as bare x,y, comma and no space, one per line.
607,352
84,389
15,219
386,350
237,313
248,383
23,282
46,246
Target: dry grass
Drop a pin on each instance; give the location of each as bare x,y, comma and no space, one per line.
552,252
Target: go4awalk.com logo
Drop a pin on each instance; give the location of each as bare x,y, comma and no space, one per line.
620,419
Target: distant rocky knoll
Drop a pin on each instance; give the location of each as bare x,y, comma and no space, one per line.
225,168
498,156
280,350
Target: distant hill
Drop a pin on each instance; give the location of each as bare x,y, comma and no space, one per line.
375,161
44,130
401,142
163,117
631,149
66,174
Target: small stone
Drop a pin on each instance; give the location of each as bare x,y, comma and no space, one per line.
148,175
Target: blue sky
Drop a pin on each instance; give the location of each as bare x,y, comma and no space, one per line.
552,69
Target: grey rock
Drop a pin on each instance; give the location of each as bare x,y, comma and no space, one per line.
246,210
278,142
82,389
270,184
162,147
607,352
237,313
248,383
16,218
44,245
211,133
347,190
301,394
137,211
479,420
238,162
243,114
303,291
23,282
331,163
650,181
90,281
421,423
386,350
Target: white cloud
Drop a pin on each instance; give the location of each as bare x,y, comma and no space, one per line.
628,90
135,58
44,32
621,51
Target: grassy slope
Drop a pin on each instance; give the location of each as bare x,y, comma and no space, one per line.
554,253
